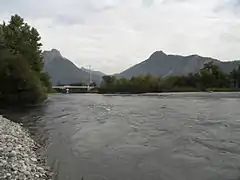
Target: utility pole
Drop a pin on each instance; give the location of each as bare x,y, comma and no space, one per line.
90,75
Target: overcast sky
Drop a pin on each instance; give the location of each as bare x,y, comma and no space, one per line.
112,35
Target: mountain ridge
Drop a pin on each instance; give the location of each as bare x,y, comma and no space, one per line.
162,64
64,71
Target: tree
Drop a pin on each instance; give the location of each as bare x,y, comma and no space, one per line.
208,66
109,79
212,76
21,64
19,85
22,39
235,77
45,80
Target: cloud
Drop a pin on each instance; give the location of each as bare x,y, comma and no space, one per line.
112,35
148,3
102,5
228,5
68,20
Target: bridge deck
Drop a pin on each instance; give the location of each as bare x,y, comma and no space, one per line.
72,87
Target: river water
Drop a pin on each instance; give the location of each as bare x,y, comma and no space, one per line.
182,136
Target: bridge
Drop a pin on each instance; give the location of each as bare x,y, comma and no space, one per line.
73,89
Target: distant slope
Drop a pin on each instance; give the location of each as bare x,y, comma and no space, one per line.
93,72
161,64
63,71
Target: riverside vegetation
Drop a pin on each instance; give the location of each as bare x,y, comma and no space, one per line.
21,64
210,78
23,82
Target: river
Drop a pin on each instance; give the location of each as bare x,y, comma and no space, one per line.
182,136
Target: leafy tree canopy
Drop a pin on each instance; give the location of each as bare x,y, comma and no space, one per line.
21,64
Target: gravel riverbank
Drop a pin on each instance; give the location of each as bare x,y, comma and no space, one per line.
18,158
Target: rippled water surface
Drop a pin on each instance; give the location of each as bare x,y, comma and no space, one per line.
149,137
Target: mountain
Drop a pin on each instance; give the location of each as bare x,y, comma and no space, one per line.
93,72
63,71
161,64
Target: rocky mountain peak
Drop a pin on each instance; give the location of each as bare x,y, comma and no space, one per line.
51,55
157,54
63,71
56,52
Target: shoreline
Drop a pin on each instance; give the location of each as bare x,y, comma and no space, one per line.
176,90
18,156
180,90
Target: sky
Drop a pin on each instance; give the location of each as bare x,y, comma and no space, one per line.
112,35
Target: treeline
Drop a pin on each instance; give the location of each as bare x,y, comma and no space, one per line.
22,80
210,77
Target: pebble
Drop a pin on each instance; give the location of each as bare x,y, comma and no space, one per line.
34,159
12,153
18,159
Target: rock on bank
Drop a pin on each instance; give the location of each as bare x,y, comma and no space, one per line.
18,160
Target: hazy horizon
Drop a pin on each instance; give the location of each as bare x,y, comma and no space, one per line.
113,35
